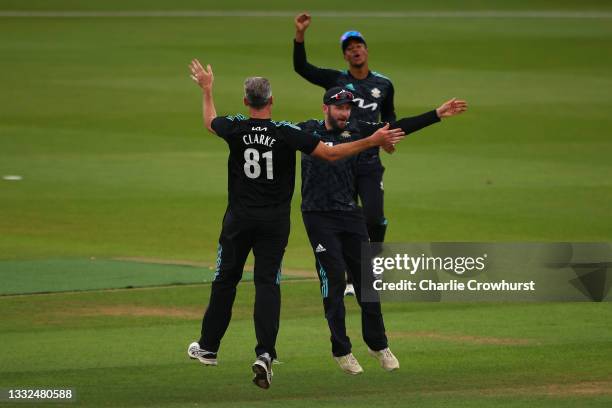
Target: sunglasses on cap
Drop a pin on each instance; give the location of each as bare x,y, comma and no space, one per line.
343,94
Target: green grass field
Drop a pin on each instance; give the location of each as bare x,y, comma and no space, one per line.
127,348
99,117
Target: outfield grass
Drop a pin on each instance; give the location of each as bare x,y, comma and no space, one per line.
128,348
65,275
100,118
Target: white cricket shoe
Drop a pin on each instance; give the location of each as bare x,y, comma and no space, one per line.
262,370
349,290
386,358
349,364
195,352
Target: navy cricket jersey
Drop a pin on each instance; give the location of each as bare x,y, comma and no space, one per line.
261,164
373,95
330,186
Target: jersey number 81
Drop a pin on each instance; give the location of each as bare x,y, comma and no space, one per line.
252,169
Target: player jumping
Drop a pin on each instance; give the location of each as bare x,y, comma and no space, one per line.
261,178
336,226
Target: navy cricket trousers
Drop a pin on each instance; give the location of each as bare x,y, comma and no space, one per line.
239,236
336,238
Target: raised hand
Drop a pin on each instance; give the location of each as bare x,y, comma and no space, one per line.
302,21
203,77
451,108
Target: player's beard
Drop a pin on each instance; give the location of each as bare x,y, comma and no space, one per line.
335,124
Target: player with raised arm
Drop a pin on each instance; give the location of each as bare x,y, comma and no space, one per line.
261,178
373,102
336,226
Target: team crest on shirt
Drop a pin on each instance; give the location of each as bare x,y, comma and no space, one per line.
376,93
346,133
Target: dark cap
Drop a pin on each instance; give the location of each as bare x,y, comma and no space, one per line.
337,96
351,35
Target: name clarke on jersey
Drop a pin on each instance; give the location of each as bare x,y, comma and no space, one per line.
258,138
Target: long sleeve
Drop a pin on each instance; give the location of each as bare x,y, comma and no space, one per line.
414,123
323,77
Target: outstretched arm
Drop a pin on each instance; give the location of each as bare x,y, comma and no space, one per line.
382,137
319,76
205,78
412,124
449,108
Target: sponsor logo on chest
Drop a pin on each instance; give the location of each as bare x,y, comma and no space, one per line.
363,105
